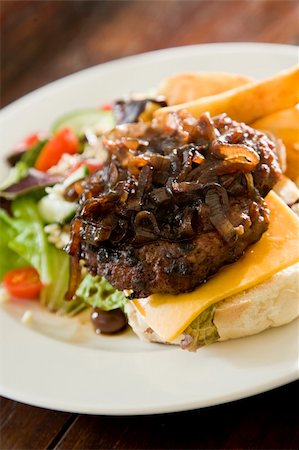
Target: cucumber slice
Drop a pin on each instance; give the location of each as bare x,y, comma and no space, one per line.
80,173
56,210
78,121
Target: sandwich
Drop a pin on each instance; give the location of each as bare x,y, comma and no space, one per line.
183,218
186,229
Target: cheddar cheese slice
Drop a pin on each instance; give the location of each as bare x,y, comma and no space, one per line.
278,248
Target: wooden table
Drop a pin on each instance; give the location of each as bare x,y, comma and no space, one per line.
45,40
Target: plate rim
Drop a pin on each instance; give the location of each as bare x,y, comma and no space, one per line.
152,410
252,47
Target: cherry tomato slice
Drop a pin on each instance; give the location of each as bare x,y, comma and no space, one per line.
23,283
31,140
92,166
65,141
106,107
28,142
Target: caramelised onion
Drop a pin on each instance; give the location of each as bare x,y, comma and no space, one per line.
175,165
186,186
134,199
218,216
95,233
161,196
145,227
135,163
207,127
75,277
134,144
158,174
144,235
185,230
114,174
144,181
155,161
198,158
204,173
120,231
146,216
232,151
122,191
74,243
222,193
188,156
236,157
133,204
160,162
160,177
98,205
233,166
125,135
194,174
74,249
250,184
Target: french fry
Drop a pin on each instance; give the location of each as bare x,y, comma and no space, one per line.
285,125
188,86
287,190
250,102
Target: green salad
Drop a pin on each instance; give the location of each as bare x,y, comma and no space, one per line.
35,216
40,197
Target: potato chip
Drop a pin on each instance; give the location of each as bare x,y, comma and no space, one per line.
188,86
250,102
287,190
285,125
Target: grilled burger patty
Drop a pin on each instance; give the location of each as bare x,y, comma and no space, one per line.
177,199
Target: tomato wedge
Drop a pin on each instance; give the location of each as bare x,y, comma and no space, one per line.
65,141
106,107
28,142
31,139
23,283
92,166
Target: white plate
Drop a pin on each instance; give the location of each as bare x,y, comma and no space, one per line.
59,363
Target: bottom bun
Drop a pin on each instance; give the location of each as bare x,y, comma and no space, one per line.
272,303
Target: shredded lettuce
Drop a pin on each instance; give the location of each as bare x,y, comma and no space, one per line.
97,292
27,244
201,331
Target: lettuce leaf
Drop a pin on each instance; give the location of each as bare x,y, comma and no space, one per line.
31,242
9,260
201,331
26,244
97,292
53,294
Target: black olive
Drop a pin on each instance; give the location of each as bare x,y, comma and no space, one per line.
108,322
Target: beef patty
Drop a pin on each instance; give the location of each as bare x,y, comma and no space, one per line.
177,199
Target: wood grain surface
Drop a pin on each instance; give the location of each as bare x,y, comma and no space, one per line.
267,421
45,40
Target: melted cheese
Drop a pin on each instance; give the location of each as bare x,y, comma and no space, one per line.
169,315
